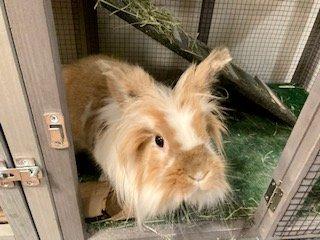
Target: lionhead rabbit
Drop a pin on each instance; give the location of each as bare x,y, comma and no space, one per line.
152,142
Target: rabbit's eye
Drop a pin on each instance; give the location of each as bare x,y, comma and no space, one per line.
159,141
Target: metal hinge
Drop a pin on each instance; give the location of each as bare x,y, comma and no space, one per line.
57,130
273,195
25,172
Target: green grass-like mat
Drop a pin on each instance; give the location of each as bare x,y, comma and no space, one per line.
253,147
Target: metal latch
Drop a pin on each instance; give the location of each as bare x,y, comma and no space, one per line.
25,172
273,195
57,130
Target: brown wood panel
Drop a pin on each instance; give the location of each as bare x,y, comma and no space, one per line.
20,135
34,37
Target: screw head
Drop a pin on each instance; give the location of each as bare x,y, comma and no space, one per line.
54,118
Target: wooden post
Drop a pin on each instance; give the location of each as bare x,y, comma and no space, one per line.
18,131
35,41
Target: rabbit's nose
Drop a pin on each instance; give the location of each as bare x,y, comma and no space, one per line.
198,176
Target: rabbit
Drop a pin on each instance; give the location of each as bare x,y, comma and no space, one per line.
152,142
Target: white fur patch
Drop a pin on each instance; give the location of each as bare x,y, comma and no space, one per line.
181,121
110,112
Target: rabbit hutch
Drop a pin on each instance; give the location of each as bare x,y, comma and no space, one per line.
270,90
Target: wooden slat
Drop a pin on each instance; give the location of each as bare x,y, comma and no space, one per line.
6,232
296,159
197,230
17,125
34,37
13,202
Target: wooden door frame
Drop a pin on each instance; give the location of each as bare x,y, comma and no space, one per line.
19,134
41,89
298,155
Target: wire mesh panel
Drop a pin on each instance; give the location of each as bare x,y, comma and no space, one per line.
266,38
302,217
62,13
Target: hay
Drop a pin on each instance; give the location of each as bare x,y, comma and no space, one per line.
147,13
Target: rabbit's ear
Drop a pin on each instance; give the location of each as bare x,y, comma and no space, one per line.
127,85
198,78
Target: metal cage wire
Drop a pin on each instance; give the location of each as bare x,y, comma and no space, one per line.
266,38
300,218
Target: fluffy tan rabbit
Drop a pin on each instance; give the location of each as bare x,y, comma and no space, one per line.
152,142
